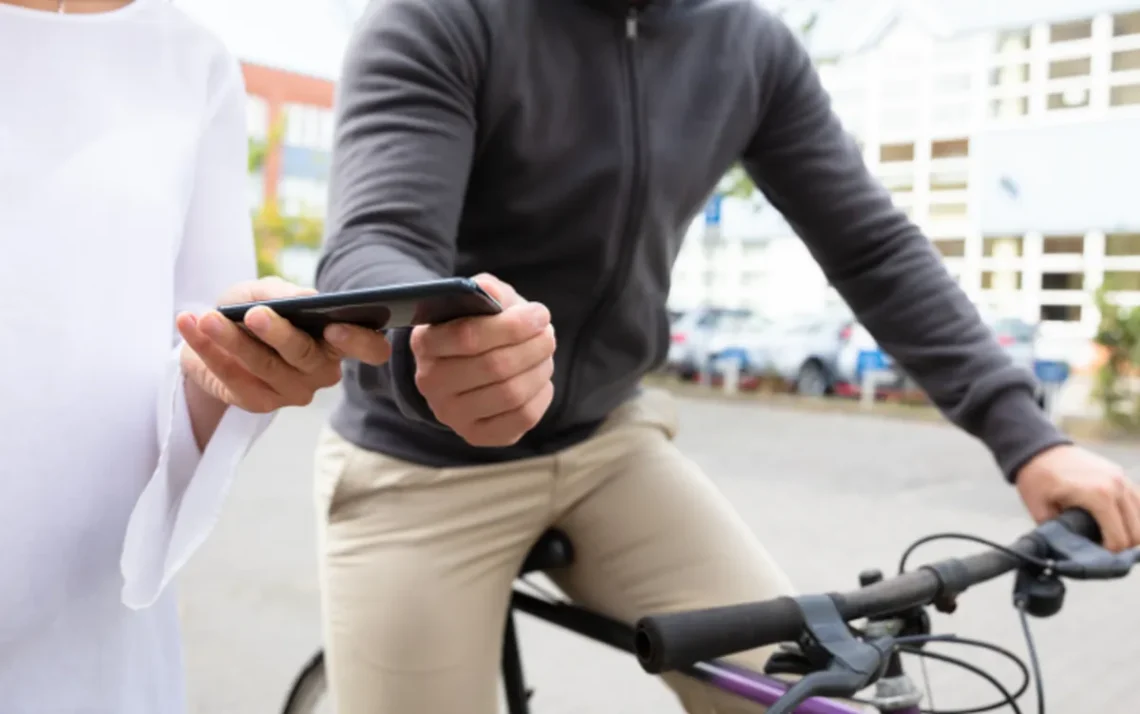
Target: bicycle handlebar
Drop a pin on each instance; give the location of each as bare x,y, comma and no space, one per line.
672,641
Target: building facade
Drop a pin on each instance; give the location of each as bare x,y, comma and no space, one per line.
295,172
1008,131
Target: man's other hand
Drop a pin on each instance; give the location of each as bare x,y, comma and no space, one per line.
1071,477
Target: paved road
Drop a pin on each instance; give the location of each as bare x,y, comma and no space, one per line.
829,494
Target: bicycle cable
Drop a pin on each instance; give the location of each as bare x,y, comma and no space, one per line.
1033,660
907,646
1033,672
1023,557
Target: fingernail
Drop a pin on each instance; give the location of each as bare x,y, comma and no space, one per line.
336,333
257,319
212,325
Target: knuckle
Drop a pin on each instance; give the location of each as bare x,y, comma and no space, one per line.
308,353
514,394
499,364
1105,489
467,337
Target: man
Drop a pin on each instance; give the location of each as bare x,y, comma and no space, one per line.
562,146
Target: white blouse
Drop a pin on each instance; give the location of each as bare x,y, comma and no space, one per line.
123,200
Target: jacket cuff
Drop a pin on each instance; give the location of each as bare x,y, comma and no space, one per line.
1016,429
403,366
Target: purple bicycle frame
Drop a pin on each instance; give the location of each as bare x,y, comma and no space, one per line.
765,690
748,685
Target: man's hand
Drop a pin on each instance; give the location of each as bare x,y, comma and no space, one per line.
1067,477
488,378
283,367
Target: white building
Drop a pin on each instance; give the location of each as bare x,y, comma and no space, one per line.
1009,130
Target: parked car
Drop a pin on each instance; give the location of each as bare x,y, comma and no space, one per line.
690,335
1018,337
802,351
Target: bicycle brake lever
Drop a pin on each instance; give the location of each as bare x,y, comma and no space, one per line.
1079,558
845,664
828,683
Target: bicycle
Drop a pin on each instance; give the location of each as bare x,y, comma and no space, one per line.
818,643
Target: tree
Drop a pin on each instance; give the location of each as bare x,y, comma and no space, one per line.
1118,336
273,232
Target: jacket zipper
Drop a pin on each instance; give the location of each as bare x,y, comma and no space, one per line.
633,204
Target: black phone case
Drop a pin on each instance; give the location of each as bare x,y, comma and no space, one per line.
427,303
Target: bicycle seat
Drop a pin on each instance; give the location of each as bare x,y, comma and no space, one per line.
551,550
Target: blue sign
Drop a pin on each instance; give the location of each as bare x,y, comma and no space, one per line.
712,210
871,361
1051,371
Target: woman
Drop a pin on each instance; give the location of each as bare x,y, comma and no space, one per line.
123,204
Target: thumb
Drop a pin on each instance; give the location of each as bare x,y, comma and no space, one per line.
503,293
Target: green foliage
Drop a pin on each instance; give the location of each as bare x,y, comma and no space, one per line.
272,231
736,183
1119,337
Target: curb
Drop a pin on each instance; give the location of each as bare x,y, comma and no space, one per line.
1079,428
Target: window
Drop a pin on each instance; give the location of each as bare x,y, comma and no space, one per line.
1124,96
1070,31
1011,107
308,126
899,183
1063,245
1125,61
1005,247
1065,68
302,197
896,153
948,210
949,180
1122,280
950,149
1005,280
1122,244
1068,99
256,118
950,247
1127,23
1062,281
903,90
1009,74
951,116
1061,313
328,130
899,119
1012,41
951,83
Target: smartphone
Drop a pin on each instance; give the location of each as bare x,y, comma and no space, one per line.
426,303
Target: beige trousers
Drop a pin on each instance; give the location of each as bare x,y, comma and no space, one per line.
417,563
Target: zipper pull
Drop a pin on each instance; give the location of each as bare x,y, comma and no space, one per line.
631,24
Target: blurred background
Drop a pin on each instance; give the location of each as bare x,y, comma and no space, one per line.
1008,130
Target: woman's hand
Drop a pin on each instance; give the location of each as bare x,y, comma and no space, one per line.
282,367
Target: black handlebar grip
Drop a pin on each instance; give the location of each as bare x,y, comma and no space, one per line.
677,640
1081,522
